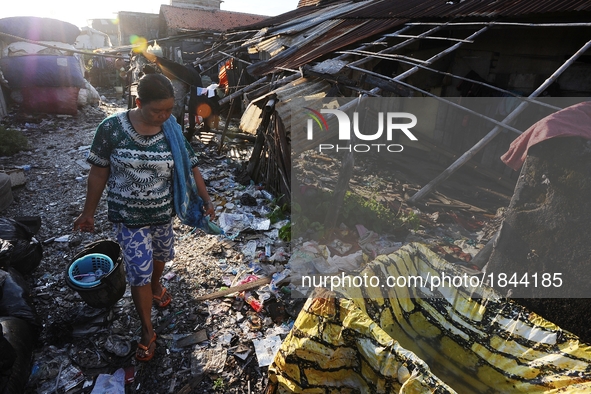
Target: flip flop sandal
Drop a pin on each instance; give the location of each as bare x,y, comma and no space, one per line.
158,299
147,355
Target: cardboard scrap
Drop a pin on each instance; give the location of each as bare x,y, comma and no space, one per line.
192,339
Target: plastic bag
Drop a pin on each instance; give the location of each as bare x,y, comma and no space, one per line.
21,338
8,353
26,253
213,228
112,384
15,299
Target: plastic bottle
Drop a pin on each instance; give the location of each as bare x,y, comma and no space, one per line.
267,195
253,302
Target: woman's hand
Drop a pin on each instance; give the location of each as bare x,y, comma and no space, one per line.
84,223
97,179
209,209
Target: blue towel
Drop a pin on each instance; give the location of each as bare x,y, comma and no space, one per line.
187,203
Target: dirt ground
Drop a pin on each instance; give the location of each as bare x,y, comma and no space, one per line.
77,333
75,340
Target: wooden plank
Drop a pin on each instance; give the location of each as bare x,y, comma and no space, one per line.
192,339
246,286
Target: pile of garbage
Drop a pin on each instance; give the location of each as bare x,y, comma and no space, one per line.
236,294
222,342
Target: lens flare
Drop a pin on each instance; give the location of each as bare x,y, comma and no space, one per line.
203,110
140,44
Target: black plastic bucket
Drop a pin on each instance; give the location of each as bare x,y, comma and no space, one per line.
112,286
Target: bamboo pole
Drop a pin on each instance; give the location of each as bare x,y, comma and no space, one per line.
244,90
393,56
496,130
234,57
227,124
433,38
59,48
441,54
395,47
377,56
501,124
413,70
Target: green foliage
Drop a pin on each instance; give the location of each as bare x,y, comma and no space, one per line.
412,221
309,216
218,384
369,212
13,141
279,212
285,232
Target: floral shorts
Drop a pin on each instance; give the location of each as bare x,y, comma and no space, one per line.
141,246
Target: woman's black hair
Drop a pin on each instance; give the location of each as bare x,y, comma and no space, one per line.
154,87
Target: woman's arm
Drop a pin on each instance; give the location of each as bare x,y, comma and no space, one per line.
97,179
202,190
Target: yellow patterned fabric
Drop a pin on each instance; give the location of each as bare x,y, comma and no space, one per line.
419,340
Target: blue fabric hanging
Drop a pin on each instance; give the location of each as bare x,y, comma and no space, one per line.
187,203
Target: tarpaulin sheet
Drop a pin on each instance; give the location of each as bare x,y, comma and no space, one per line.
419,340
63,101
572,121
38,29
42,71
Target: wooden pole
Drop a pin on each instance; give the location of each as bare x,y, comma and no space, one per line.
428,188
58,48
248,88
506,92
444,100
229,116
441,54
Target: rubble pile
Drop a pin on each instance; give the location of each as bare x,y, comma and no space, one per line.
209,339
222,344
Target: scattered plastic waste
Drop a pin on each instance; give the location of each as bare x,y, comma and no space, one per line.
253,302
232,223
63,238
267,195
266,349
276,278
111,384
249,249
117,345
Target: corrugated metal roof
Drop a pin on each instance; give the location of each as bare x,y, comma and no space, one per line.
413,9
301,87
346,32
321,15
274,45
306,3
369,18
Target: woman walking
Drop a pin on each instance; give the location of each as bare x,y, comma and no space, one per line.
131,155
